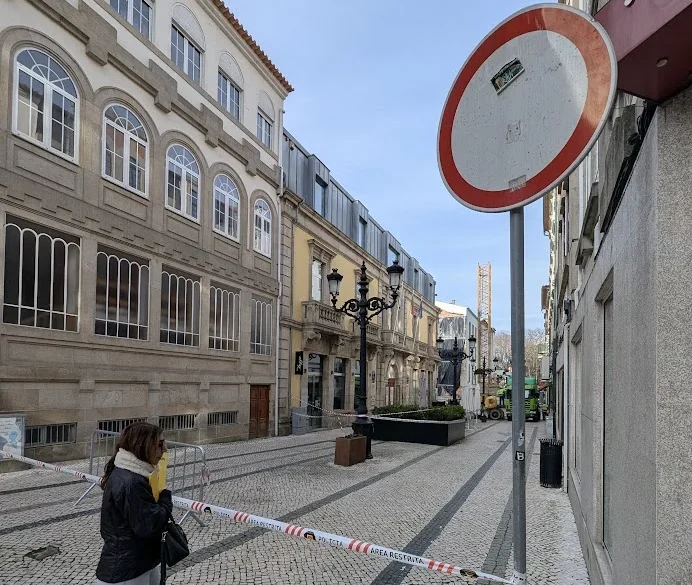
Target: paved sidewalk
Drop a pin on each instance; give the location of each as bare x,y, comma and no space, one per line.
452,504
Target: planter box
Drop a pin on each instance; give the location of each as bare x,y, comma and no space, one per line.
350,450
428,432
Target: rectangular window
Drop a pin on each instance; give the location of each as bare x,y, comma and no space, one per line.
228,95
185,55
177,422
317,275
136,12
42,272
339,383
264,129
122,296
362,232
261,327
392,255
320,190
180,306
118,425
222,419
416,279
50,435
224,319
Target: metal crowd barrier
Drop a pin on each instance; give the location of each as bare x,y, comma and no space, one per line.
187,472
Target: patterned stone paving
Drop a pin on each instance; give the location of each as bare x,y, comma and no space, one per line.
452,504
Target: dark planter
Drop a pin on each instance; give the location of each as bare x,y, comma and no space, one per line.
350,450
428,432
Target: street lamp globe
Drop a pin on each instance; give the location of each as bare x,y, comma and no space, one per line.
472,344
334,280
440,344
395,271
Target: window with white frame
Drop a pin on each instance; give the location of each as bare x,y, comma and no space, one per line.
316,280
264,129
180,306
226,206
224,319
263,228
183,181
228,95
122,296
136,12
42,271
125,152
46,107
185,55
261,327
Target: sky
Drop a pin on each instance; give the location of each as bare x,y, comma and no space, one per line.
371,78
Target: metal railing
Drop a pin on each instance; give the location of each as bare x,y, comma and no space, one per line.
186,476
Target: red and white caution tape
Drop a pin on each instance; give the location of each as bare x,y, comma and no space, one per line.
333,540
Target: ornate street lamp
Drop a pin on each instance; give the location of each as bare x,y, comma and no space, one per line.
456,357
363,310
484,371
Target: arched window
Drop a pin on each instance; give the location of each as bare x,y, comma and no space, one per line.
226,206
125,153
183,181
263,228
46,108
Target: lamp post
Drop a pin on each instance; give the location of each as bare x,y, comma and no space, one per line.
484,371
456,357
363,310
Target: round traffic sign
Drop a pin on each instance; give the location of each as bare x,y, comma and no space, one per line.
526,107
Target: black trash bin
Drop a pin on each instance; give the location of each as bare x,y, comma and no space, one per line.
551,463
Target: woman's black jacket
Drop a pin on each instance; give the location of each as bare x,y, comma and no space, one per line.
131,526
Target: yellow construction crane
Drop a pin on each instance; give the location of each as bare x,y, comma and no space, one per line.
484,314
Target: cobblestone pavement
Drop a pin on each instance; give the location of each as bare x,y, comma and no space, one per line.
452,504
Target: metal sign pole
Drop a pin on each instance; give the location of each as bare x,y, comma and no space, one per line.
516,244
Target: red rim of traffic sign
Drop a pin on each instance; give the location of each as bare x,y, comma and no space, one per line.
585,33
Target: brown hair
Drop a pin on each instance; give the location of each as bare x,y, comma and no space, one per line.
140,439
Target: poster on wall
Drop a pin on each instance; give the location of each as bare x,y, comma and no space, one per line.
12,433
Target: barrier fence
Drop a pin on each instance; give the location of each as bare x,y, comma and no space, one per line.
187,467
311,534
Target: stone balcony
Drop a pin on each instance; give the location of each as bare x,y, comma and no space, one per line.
319,316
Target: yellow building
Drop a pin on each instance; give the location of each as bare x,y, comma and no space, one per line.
324,228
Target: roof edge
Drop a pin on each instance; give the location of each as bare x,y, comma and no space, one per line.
240,29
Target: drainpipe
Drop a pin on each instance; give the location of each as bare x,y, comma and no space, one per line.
280,193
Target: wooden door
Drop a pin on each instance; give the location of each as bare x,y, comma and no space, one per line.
259,411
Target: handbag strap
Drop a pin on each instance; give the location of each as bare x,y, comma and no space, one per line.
163,549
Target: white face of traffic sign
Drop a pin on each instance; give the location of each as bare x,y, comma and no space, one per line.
526,107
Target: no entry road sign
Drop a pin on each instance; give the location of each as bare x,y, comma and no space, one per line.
526,107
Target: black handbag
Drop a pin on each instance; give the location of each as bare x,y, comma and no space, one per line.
173,546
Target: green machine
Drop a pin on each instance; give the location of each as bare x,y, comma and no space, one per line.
532,409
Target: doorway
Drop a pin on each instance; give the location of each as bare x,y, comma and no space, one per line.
259,411
315,391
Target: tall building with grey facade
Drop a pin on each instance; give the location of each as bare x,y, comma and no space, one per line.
139,168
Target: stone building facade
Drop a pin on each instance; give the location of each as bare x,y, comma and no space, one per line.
140,221
617,310
325,228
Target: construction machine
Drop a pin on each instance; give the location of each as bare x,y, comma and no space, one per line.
532,408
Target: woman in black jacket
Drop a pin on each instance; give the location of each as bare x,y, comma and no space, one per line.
131,520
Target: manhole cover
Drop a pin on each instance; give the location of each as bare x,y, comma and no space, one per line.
42,553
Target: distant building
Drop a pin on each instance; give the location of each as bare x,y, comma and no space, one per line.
323,228
460,322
